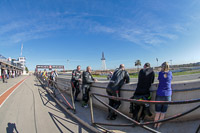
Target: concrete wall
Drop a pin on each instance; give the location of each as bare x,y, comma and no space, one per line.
181,91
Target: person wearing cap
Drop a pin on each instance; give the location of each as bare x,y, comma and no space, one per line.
119,78
145,80
163,93
75,82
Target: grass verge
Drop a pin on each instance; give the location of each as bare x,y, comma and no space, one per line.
135,75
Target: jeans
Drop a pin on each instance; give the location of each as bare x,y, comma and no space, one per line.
162,107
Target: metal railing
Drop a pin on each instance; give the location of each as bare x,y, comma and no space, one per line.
190,89
54,85
143,125
134,122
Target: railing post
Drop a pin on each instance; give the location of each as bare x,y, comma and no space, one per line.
54,88
72,96
91,110
198,129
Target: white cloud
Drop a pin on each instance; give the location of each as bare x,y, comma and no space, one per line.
105,29
41,27
179,28
140,37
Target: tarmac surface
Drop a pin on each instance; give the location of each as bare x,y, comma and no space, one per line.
30,109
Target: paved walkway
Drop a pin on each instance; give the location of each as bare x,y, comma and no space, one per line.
29,109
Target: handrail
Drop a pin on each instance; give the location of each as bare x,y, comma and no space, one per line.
123,89
140,102
191,89
147,101
54,85
135,122
173,117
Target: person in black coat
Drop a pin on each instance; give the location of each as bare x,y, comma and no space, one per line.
75,80
145,80
86,84
119,78
4,76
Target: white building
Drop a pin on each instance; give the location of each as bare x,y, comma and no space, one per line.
22,61
11,66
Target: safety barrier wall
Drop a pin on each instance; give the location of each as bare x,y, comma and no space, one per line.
186,90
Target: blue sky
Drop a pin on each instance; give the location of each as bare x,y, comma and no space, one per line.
54,31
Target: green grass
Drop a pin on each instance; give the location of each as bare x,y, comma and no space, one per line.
186,73
135,75
99,76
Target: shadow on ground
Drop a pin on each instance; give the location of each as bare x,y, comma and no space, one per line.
11,128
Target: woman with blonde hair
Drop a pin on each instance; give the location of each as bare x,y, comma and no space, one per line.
163,93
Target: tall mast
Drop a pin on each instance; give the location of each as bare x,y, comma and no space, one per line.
21,49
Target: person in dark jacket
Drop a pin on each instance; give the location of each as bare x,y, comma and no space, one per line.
120,76
75,80
4,76
87,80
142,92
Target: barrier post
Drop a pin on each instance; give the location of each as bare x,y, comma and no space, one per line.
198,129
72,96
91,110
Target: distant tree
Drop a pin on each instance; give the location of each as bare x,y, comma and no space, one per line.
138,63
26,68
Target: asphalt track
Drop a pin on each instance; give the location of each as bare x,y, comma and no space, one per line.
27,108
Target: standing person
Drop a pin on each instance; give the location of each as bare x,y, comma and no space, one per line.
44,75
13,74
54,81
76,78
51,78
109,75
40,73
7,74
145,80
4,76
163,93
55,75
86,84
120,76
